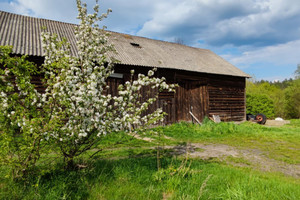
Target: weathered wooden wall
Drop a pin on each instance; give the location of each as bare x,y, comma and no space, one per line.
209,95
202,94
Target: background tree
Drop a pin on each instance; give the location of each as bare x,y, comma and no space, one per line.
284,94
260,103
263,98
292,100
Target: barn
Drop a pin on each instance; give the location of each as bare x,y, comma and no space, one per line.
208,84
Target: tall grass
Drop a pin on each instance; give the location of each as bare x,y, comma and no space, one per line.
137,178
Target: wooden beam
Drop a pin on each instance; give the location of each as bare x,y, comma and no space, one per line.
193,116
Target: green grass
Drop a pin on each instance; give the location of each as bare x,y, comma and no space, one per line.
138,178
121,139
279,143
126,168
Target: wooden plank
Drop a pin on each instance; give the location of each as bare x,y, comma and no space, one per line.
195,118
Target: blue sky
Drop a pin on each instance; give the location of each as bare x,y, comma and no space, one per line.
261,37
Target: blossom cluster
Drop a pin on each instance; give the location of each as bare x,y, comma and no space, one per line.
78,106
20,117
76,83
129,106
19,99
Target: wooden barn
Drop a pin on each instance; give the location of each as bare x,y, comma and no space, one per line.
208,84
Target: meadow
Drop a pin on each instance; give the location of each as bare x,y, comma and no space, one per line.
261,163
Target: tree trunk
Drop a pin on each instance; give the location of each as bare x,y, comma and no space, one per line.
69,161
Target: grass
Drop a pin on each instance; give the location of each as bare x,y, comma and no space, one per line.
138,178
279,143
127,167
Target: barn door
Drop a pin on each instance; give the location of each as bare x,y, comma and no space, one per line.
113,84
198,100
168,106
191,96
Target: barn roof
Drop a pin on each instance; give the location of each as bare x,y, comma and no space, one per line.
23,33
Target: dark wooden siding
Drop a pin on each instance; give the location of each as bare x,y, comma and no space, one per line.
166,101
193,97
227,98
202,94
208,94
113,84
227,102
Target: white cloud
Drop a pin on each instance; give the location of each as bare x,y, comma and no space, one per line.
265,31
269,62
195,17
216,22
251,22
11,6
278,22
127,16
287,53
54,9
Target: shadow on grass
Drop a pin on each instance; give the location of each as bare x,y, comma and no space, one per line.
81,183
138,178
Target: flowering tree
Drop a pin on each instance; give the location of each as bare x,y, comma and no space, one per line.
21,119
79,112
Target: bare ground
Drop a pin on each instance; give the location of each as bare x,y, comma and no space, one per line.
252,158
242,157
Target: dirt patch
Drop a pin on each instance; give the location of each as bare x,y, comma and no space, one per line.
262,162
251,158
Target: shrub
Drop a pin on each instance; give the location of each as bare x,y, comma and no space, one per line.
260,103
21,121
292,100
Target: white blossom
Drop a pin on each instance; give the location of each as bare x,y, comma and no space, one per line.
76,96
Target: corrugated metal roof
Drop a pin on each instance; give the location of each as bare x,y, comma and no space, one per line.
23,33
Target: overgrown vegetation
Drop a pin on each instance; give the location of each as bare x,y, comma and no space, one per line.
128,170
75,111
21,121
75,142
275,99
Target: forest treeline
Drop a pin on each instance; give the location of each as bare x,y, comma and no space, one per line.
274,99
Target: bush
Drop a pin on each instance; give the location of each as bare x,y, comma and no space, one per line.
292,100
20,117
260,103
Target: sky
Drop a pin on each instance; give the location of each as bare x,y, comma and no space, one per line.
260,37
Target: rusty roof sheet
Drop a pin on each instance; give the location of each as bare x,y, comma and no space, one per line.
23,33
